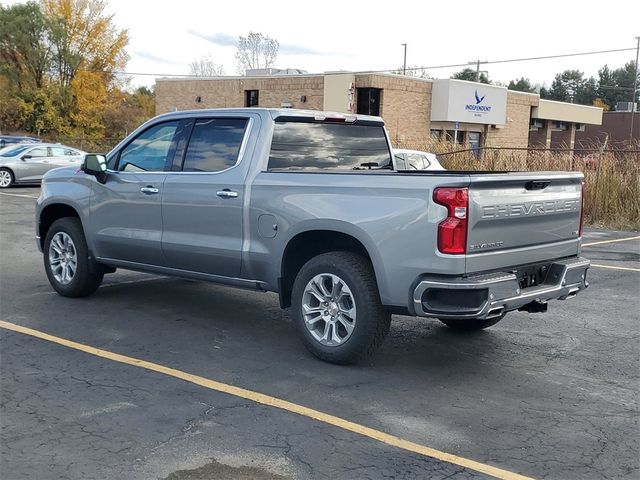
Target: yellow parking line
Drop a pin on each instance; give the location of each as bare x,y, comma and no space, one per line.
274,402
611,267
615,240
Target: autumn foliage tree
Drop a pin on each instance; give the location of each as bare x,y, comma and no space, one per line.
60,64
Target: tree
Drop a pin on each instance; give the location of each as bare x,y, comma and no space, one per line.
571,86
256,51
521,85
412,71
470,75
586,92
128,111
25,56
616,85
84,37
206,67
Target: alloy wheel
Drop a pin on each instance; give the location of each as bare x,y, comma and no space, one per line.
63,258
329,309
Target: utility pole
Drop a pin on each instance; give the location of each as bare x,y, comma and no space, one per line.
404,65
635,90
477,64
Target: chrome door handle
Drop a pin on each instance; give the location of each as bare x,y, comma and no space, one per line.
227,193
149,190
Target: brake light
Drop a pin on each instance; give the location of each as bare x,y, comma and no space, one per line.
581,210
452,231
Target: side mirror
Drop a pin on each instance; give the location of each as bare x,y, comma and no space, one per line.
26,157
95,165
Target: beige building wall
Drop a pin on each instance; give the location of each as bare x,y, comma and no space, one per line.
181,94
568,112
515,133
405,106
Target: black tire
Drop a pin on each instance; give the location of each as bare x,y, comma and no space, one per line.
11,176
471,324
88,274
372,320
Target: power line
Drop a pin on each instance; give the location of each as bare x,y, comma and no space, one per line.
434,67
525,59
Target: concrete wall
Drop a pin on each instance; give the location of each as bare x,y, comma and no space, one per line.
567,112
337,95
180,94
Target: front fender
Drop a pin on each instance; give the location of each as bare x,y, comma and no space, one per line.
69,187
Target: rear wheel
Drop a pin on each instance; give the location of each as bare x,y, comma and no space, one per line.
472,324
337,308
66,260
6,178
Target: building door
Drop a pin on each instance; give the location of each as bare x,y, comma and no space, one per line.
474,142
368,101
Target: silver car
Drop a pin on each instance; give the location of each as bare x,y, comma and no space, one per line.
27,163
415,160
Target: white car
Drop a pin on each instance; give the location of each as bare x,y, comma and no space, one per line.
415,160
27,163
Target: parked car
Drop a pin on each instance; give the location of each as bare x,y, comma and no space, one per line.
13,139
287,201
27,163
415,160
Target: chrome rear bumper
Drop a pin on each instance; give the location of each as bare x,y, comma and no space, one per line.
491,295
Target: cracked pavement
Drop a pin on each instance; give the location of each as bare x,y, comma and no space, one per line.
551,396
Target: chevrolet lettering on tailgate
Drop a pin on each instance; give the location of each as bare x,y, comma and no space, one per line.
527,209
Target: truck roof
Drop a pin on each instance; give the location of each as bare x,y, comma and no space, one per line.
273,113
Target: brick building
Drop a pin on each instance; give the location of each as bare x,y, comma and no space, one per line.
615,131
414,110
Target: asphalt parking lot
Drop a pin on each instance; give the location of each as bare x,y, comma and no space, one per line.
544,396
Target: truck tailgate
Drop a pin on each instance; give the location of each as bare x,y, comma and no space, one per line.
520,218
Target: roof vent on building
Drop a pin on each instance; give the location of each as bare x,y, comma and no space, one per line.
265,72
626,107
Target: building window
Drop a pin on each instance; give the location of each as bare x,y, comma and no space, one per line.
251,98
369,101
455,136
436,134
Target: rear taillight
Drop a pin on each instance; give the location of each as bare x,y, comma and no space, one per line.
452,231
581,211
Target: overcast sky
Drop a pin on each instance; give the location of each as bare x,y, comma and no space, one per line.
329,35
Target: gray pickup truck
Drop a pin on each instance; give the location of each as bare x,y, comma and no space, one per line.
310,205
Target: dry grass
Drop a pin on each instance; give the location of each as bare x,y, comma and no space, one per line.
612,177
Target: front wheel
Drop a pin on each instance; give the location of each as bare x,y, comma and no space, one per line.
6,178
472,324
337,308
66,260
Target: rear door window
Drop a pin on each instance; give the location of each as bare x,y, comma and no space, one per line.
57,152
328,146
39,152
214,144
